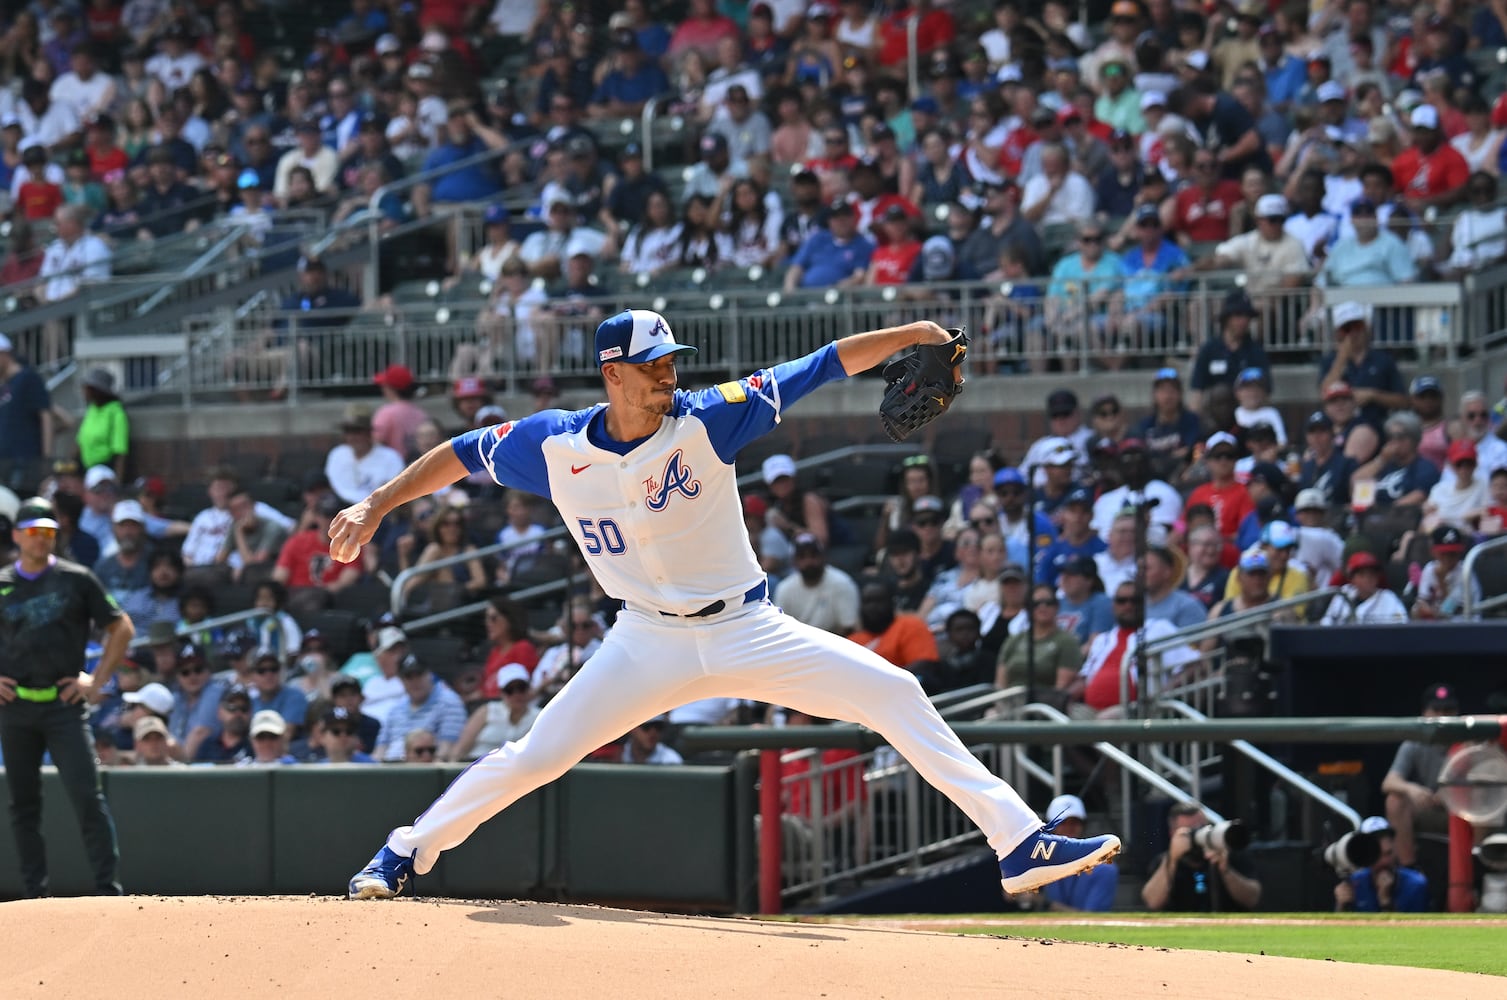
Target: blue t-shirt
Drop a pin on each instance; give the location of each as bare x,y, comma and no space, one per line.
291,703
1163,438
1146,277
1395,482
1088,619
1092,891
824,262
649,81
1050,560
1410,893
477,182
1070,279
1285,79
23,400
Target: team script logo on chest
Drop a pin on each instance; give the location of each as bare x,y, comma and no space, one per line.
676,478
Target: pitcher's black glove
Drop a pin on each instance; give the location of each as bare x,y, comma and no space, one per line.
922,385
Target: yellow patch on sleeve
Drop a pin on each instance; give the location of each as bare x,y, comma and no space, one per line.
733,392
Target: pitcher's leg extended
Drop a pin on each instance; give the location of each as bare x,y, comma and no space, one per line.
793,664
608,697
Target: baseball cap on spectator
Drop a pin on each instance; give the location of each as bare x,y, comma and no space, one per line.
344,682
776,466
1272,206
100,476
631,151
1380,129
1166,375
1009,73
928,505
806,541
1309,499
1250,376
328,505
841,206
1362,206
1338,390
1080,566
248,180
895,213
1461,450
421,71
191,652
881,130
469,387
268,723
927,105
489,415
1079,495
1330,90
1153,99
1361,560
1318,420
387,44
1012,571
713,142
1375,824
1062,402
1440,698
1424,116
1008,476
1254,561
1425,384
1148,213
1279,535
1447,538
1221,439
410,666
937,258
397,377
1269,473
308,125
388,638
146,727
1130,445
155,697
1066,807
1345,313
1260,433
128,510
101,379
1068,115
1061,452
1237,303
1198,59
236,692
1043,115
635,337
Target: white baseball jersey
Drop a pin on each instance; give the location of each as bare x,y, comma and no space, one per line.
644,511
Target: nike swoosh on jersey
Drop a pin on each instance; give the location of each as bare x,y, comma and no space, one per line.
576,470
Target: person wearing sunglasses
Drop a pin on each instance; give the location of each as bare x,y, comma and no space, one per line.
1475,426
269,693
1097,686
233,742
429,706
338,736
48,608
196,700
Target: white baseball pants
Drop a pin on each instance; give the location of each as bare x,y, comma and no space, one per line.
650,663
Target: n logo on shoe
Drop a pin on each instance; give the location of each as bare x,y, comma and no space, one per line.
1043,850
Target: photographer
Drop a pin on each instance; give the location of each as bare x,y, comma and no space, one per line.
1187,879
1384,887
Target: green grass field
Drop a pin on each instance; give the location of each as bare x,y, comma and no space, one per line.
1455,942
1438,944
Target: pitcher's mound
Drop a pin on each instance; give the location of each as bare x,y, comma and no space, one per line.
213,948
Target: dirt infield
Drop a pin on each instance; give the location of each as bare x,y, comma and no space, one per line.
212,948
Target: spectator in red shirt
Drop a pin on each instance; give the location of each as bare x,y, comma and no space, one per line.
396,422
872,202
1227,498
935,30
892,262
305,559
836,156
1430,172
104,154
1201,212
701,30
36,196
507,642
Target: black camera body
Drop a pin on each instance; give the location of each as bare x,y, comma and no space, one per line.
1226,836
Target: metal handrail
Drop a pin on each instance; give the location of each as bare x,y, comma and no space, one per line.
195,267
395,592
1128,765
1275,767
1241,619
913,57
234,618
646,141
475,607
1468,607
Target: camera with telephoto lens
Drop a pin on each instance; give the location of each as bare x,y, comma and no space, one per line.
1229,835
1352,852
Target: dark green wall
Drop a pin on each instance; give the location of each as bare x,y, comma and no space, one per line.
678,836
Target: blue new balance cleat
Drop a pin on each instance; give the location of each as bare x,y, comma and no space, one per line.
1045,857
383,877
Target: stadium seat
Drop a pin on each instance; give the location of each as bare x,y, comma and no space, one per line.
367,598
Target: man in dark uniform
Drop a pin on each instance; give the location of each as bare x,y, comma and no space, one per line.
47,608
1225,356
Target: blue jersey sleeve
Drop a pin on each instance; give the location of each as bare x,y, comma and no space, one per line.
735,413
511,453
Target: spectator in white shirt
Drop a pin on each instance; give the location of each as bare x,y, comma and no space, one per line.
820,595
359,465
175,62
1364,601
75,258
84,90
1320,550
311,153
1441,588
1058,194
211,526
44,120
1460,499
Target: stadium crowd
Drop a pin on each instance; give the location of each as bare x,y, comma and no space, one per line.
1090,174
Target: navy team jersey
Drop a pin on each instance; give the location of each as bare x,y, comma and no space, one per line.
659,519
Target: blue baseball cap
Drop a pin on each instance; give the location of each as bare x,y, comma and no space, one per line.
1007,476
1254,561
1079,495
248,179
1250,375
495,214
1167,375
636,336
1423,384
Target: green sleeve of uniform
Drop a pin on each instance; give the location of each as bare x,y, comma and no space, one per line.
120,430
